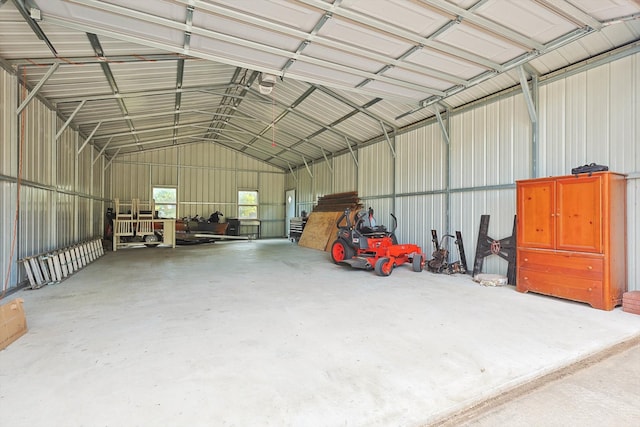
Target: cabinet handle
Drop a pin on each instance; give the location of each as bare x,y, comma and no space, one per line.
590,268
526,259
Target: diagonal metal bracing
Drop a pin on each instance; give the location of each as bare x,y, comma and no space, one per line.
533,115
102,150
355,159
443,128
326,160
37,87
386,136
71,117
88,139
521,60
360,108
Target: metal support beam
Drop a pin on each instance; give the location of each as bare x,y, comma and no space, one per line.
443,128
351,150
307,165
386,135
37,88
292,173
533,115
326,160
111,160
86,141
102,151
34,25
71,117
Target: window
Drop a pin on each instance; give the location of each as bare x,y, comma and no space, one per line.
166,199
247,204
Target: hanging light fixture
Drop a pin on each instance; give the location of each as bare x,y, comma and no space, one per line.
266,83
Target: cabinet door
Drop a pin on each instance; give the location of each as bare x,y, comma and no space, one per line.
579,214
536,214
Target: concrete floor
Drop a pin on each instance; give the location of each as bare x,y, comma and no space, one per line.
268,333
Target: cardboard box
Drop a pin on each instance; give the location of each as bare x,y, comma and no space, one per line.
13,323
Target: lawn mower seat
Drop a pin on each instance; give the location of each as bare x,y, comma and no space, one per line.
367,224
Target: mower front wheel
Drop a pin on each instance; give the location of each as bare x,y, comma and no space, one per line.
418,263
383,267
341,251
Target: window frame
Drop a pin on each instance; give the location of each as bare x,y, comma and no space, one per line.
245,205
158,204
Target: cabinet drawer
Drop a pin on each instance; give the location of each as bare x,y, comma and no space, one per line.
562,264
569,287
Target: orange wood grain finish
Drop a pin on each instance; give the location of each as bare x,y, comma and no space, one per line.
571,237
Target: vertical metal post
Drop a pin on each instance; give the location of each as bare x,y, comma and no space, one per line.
535,127
53,217
445,128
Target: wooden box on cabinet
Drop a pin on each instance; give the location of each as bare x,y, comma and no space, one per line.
571,237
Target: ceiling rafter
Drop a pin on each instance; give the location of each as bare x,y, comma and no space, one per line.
313,37
148,92
369,63
106,69
233,96
483,24
146,17
404,34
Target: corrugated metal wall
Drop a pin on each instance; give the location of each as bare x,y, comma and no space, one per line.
420,179
207,177
8,172
587,116
594,117
60,192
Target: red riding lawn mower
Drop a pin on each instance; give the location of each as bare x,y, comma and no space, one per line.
370,247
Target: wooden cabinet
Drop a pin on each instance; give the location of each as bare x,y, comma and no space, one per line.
571,237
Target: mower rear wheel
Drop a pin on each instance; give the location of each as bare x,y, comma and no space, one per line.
341,251
418,263
383,266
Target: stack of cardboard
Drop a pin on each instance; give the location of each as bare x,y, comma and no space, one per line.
13,323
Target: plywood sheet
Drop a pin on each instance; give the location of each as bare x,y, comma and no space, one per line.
320,228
